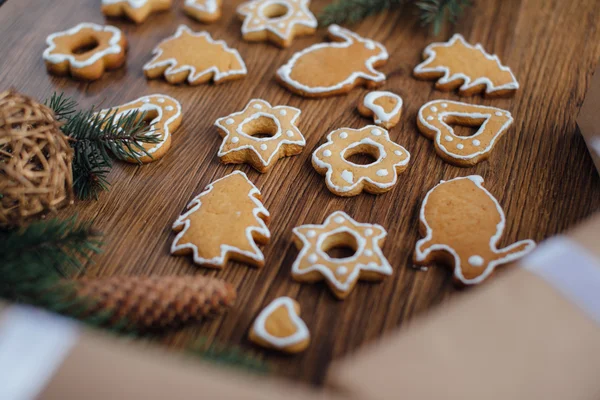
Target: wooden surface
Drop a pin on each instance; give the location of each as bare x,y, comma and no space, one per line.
540,171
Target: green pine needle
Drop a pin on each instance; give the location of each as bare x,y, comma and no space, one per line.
230,356
62,106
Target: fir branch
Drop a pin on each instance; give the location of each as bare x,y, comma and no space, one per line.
230,356
62,106
435,12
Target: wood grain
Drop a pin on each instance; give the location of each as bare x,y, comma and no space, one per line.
540,171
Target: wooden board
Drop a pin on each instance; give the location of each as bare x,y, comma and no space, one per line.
540,171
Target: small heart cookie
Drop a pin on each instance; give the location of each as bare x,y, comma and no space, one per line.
385,107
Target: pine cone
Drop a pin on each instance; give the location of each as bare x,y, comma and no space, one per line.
158,301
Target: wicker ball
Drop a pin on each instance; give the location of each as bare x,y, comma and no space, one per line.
35,160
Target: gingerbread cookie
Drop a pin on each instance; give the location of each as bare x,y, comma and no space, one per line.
136,10
280,327
206,11
341,274
456,63
278,21
242,145
328,69
85,51
194,57
345,178
163,114
386,107
462,223
224,222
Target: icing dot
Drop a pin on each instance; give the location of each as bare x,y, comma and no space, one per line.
476,261
375,132
281,25
348,176
289,133
448,138
257,106
282,112
311,234
339,219
169,108
460,146
343,135
498,113
341,271
430,118
313,258
445,105
370,45
299,14
327,153
398,152
257,21
382,172
476,142
368,232
161,100
229,121
434,109
146,100
235,140
263,146
368,253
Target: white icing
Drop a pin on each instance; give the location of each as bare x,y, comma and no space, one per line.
282,112
327,153
349,37
445,105
313,258
476,261
460,146
259,327
498,114
311,234
369,232
257,106
341,271
193,74
368,253
423,255
476,142
434,109
339,219
207,6
131,3
343,135
382,172
235,139
430,118
348,176
448,138
263,146
282,26
113,48
397,152
195,205
168,108
467,84
375,132
229,121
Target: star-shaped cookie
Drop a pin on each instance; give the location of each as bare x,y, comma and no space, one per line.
341,274
277,21
136,10
260,135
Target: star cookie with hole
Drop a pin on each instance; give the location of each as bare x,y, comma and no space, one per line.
341,274
278,21
384,107
280,327
458,64
163,114
136,10
195,58
85,51
346,178
241,133
437,117
206,11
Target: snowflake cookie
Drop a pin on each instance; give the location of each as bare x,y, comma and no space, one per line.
462,223
278,21
457,63
385,107
163,114
242,145
346,178
136,10
341,274
194,57
437,117
280,327
85,51
206,11
327,69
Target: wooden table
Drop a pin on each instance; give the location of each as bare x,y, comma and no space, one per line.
540,171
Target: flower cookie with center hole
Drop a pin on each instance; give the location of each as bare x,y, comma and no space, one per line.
278,21
206,11
280,327
435,122
385,107
194,57
136,10
346,178
260,135
163,114
341,274
85,51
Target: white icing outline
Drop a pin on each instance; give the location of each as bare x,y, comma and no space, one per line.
148,106
365,140
95,56
467,84
193,76
422,256
362,241
381,116
465,139
195,205
350,37
269,113
260,330
131,3
291,17
209,6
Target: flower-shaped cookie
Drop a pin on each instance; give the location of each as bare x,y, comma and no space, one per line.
242,131
85,51
278,21
346,178
314,264
136,10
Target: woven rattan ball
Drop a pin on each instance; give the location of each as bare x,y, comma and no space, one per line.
35,160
